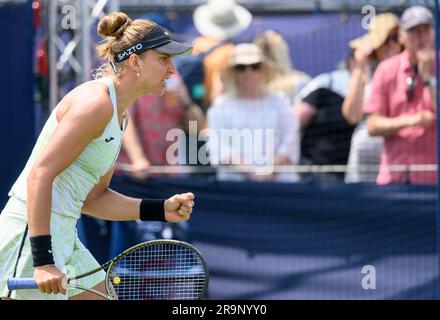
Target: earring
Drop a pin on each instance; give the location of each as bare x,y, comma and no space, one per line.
137,74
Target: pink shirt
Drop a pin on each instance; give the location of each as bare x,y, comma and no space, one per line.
153,116
388,98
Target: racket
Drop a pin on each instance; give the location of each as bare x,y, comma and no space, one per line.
152,270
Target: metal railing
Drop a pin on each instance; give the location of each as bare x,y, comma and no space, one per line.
282,168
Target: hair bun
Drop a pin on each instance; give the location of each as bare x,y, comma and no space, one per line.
113,25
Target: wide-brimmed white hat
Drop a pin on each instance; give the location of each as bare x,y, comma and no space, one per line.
222,19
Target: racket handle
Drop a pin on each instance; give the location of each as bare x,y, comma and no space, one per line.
22,283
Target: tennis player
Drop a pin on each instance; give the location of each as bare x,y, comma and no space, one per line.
72,163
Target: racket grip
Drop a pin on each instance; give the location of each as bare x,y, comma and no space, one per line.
22,283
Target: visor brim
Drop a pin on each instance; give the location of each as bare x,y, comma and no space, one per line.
175,48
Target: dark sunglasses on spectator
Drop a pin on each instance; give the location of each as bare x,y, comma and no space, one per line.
243,67
392,37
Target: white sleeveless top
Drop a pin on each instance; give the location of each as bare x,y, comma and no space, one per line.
71,187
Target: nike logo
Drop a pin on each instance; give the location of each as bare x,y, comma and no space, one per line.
50,251
109,139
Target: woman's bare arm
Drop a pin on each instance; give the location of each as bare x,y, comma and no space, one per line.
353,102
107,204
83,121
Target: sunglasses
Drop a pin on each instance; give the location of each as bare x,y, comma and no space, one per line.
392,37
243,67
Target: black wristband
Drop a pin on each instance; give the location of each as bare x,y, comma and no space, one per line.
41,248
152,210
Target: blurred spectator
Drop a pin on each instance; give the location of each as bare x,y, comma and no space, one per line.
151,118
218,22
287,79
401,105
247,104
325,133
380,43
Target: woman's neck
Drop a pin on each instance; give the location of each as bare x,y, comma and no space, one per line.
251,93
126,93
251,96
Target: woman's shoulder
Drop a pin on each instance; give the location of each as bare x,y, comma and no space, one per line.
222,100
278,98
89,99
92,92
221,104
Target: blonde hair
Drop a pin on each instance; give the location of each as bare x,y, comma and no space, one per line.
276,50
119,32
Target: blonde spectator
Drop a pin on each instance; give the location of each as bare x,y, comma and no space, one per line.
287,79
248,104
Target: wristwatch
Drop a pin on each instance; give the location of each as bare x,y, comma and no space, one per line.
432,81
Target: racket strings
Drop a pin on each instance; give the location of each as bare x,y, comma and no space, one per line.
161,271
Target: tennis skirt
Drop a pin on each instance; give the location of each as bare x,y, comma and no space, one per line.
70,255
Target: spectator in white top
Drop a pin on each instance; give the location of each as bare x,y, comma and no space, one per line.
247,106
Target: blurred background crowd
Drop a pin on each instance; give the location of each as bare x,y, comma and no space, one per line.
308,76
347,90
